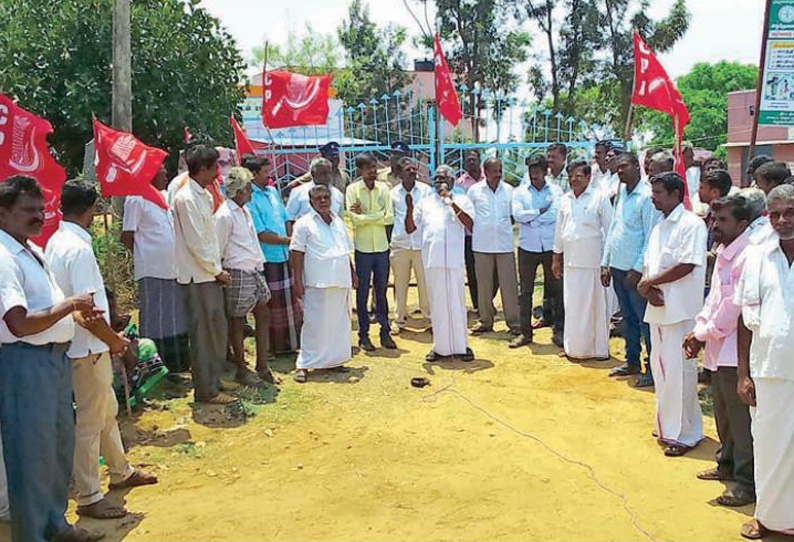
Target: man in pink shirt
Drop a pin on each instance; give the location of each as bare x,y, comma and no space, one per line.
716,328
472,174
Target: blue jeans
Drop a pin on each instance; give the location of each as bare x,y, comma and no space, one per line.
632,305
37,421
374,267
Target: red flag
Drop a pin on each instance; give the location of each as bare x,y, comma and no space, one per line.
654,89
241,141
125,166
24,151
446,97
291,99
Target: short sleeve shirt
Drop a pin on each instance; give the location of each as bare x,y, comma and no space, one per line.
326,249
154,247
271,216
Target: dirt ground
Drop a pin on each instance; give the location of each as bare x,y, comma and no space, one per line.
520,445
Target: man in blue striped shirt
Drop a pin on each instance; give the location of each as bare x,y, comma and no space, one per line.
623,260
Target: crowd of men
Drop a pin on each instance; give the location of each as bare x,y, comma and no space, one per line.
616,241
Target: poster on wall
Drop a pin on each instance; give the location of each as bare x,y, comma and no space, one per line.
777,91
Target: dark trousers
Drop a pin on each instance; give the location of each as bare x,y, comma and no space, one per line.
372,267
209,336
732,417
553,311
37,421
175,352
632,306
471,272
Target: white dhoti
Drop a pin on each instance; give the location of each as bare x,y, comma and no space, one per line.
447,295
678,416
773,442
586,314
325,337
4,509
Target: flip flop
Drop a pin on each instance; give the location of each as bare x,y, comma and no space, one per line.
301,376
220,399
136,479
752,530
101,510
675,450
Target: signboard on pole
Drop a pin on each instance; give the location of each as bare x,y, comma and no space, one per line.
777,93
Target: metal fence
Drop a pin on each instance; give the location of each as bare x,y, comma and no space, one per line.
496,125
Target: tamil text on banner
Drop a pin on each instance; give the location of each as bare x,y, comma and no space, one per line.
777,91
24,151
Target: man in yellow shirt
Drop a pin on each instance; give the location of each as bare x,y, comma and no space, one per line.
391,175
368,202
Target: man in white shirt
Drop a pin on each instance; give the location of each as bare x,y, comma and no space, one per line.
248,292
557,157
36,413
324,280
298,203
673,280
148,232
70,256
760,230
199,271
492,242
583,218
601,174
692,178
534,207
406,248
442,219
766,366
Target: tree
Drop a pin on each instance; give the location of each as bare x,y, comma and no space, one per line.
374,57
312,53
590,52
55,58
705,91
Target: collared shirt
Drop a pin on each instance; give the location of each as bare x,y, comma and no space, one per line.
339,179
561,180
443,234
71,258
154,248
693,185
26,281
198,257
761,231
679,238
582,225
237,238
536,229
631,226
385,175
766,295
399,238
270,216
717,322
599,179
466,181
369,225
493,227
298,203
326,248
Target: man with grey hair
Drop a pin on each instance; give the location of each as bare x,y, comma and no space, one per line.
247,292
659,163
759,230
765,370
442,218
299,204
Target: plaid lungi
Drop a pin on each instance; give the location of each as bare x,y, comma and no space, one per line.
286,315
248,288
162,308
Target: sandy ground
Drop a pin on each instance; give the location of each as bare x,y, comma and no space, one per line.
520,445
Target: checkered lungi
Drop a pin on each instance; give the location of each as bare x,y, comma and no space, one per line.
246,290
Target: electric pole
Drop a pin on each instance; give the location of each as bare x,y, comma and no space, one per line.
122,67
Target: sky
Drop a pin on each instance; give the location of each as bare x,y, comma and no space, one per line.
719,29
